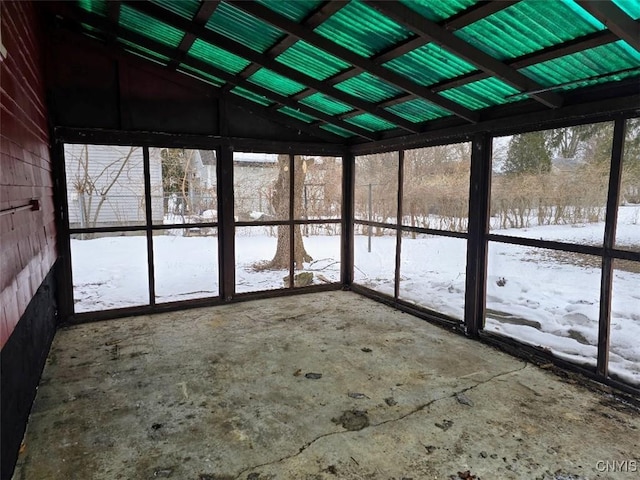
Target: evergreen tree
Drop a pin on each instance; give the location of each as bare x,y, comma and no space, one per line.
528,153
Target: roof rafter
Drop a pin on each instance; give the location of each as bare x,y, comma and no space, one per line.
480,10
616,20
113,14
243,51
576,45
435,33
202,16
354,59
314,19
103,24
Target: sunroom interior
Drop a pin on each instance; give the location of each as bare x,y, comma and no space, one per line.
475,164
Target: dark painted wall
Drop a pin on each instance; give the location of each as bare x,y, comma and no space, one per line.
23,358
27,238
93,86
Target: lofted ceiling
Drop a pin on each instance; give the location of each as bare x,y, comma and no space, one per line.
361,71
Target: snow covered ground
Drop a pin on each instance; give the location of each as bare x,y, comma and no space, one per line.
537,296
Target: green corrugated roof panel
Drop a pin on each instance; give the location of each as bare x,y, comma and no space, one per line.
140,23
185,8
370,122
583,65
326,104
368,87
528,26
630,7
296,10
429,64
98,7
337,130
314,62
218,82
481,94
249,95
144,52
438,10
217,57
297,114
417,110
276,82
362,29
231,22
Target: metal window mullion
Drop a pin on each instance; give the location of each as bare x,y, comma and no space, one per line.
346,267
292,235
226,223
615,175
396,285
479,202
65,278
148,226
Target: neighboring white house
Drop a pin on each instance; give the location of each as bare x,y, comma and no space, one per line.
105,186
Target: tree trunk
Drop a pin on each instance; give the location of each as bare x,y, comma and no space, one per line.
280,260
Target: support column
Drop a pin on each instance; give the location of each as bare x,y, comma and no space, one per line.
479,193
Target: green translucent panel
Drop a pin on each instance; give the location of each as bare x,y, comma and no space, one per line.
437,10
362,29
417,110
296,10
583,65
326,104
249,95
630,7
98,7
185,8
481,94
429,64
243,28
144,52
276,82
368,87
217,57
337,130
297,114
218,82
140,23
370,122
312,61
528,26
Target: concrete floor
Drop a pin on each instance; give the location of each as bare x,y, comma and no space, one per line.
224,393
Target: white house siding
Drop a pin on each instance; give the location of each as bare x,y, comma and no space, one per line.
105,188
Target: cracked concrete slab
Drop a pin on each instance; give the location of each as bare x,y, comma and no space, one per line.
222,393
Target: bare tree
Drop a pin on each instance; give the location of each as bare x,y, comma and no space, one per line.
93,181
280,203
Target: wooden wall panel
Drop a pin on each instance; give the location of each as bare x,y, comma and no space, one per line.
27,238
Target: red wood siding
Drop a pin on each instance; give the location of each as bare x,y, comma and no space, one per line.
27,238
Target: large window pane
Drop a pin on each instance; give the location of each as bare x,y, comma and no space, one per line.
185,264
318,187
545,298
375,258
183,185
628,229
546,184
262,260
436,187
376,187
432,273
322,242
105,185
260,186
624,351
109,272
